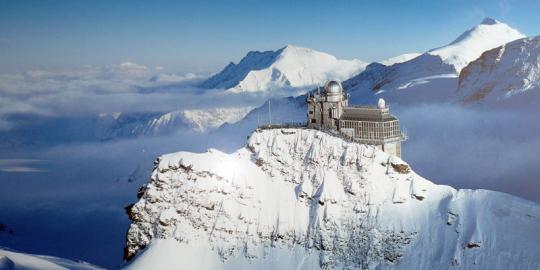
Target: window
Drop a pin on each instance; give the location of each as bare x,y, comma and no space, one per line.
313,121
310,112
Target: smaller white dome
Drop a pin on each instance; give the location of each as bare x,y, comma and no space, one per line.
381,104
333,87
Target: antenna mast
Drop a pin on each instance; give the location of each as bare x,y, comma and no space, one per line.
269,113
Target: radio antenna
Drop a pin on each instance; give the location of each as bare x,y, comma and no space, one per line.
269,113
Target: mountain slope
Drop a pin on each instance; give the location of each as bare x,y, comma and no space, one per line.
502,72
290,66
12,260
303,199
399,59
431,76
470,45
405,82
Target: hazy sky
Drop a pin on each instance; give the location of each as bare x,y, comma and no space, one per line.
203,36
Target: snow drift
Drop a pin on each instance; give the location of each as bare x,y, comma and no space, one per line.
303,199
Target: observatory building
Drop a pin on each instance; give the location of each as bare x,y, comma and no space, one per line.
372,125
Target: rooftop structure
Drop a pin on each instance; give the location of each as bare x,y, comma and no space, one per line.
372,125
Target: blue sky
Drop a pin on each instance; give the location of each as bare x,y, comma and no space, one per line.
203,36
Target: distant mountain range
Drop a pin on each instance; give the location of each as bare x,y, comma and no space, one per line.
430,76
433,76
405,79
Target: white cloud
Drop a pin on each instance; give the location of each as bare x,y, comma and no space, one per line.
90,90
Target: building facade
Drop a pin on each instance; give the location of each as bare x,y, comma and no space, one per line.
373,125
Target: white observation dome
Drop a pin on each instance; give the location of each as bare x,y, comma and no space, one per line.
381,104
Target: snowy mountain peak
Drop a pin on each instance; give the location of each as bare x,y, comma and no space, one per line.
297,51
289,67
304,199
471,44
489,21
291,47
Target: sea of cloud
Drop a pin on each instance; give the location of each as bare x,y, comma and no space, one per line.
90,91
467,146
65,197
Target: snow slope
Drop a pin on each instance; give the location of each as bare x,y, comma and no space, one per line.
399,59
303,199
290,66
470,45
403,80
503,72
12,260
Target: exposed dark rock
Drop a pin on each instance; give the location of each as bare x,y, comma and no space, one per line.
259,162
473,245
128,211
401,168
187,168
141,192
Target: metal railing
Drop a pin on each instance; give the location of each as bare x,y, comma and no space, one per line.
336,133
283,125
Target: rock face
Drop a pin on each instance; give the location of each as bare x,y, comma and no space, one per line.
502,72
303,199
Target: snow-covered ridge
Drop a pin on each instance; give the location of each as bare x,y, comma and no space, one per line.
116,125
502,72
399,59
470,45
378,77
199,119
290,66
303,199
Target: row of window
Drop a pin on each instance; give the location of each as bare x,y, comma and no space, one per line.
372,130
